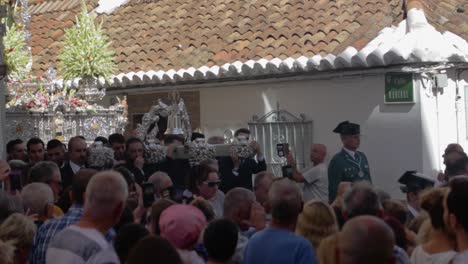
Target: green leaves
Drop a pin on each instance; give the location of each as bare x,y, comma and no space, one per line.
16,55
86,51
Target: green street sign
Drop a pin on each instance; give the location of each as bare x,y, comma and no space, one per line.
399,87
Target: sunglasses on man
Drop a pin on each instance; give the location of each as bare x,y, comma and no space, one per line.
168,192
213,183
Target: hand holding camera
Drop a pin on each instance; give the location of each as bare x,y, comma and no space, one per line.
256,147
235,159
4,170
291,160
282,149
148,194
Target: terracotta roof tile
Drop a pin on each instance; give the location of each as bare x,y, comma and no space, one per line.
146,34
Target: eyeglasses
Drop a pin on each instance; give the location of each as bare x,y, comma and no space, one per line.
213,183
168,192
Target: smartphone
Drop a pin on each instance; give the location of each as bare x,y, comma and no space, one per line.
282,149
148,194
15,179
287,171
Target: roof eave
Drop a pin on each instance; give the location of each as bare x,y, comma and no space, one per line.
416,67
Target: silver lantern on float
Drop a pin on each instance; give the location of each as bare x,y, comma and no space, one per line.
178,121
174,122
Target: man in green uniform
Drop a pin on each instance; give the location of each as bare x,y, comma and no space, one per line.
349,165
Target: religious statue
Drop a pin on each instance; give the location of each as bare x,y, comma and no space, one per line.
59,126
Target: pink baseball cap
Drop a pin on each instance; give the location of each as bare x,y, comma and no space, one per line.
181,225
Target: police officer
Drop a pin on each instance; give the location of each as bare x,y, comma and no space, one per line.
413,183
349,164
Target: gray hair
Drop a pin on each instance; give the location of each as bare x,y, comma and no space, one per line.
105,191
18,230
7,252
236,198
285,199
36,197
361,199
156,179
383,196
43,171
367,239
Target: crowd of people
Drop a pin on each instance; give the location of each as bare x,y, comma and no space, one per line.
58,206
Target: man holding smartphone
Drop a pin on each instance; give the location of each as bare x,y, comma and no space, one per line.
315,178
4,171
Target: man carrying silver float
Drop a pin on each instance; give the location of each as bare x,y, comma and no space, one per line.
237,170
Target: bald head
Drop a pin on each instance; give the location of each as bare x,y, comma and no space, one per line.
77,150
285,200
453,147
366,239
318,153
161,181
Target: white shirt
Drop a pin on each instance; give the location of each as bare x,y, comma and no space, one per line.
78,245
350,152
413,211
75,167
461,258
316,183
240,248
217,202
419,256
190,257
260,158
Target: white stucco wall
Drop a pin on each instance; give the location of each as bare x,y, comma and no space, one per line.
462,107
391,133
443,120
395,137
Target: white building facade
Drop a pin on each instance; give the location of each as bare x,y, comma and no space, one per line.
350,86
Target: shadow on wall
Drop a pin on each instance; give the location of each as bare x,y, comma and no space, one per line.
396,108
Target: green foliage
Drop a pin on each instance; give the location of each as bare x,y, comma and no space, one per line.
16,55
86,51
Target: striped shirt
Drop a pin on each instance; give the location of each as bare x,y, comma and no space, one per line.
51,228
78,245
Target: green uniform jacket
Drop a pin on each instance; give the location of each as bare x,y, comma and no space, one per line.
343,167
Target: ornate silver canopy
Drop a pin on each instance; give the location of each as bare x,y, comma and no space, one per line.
163,119
42,109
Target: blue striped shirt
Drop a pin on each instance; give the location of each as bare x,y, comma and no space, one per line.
49,229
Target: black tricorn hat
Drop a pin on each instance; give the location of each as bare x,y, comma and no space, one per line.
414,181
347,128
